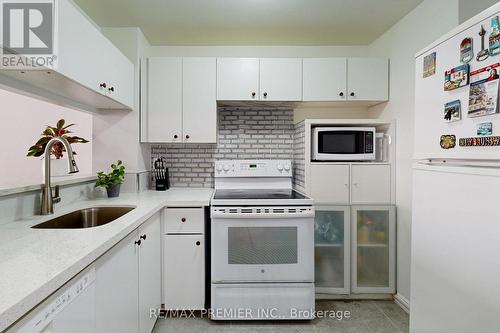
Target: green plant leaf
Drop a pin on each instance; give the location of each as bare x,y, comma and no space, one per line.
60,123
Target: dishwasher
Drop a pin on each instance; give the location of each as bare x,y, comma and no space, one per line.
70,309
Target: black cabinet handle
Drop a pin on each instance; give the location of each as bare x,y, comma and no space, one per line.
198,243
183,219
352,94
187,136
143,237
253,94
111,89
265,94
341,94
137,242
176,136
103,85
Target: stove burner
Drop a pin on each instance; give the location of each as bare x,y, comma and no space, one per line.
239,194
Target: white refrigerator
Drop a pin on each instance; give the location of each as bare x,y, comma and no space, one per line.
455,277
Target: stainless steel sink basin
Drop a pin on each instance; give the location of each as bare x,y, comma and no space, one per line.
85,218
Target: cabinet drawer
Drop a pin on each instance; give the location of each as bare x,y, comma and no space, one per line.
184,220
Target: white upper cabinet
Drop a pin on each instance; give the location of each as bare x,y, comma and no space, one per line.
164,104
86,57
199,104
324,79
367,79
281,79
237,79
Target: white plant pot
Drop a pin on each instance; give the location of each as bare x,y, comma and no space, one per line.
58,167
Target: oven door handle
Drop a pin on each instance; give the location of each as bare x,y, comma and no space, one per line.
232,212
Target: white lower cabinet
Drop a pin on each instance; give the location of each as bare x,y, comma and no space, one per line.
184,259
332,249
373,249
128,282
330,183
355,249
370,184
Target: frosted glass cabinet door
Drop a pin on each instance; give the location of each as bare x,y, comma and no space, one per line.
373,249
332,249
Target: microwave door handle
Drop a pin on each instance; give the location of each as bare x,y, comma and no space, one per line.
389,138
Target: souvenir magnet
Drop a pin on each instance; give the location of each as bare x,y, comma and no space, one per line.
466,50
448,141
429,65
494,37
480,141
452,111
483,54
483,91
485,129
456,77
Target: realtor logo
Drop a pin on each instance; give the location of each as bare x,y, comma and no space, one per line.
27,34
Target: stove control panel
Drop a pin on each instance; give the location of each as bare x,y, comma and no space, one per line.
253,168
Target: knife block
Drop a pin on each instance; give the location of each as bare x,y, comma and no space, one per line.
162,184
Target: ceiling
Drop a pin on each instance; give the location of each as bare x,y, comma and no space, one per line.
252,22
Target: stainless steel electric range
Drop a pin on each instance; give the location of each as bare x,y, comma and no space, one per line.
262,236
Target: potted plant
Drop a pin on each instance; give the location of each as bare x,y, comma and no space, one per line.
111,181
59,166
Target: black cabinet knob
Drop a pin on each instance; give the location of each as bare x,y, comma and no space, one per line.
176,136
265,94
183,219
253,94
187,136
352,94
143,237
341,94
111,89
198,243
137,242
103,85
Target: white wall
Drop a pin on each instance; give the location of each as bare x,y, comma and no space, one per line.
423,25
469,8
23,119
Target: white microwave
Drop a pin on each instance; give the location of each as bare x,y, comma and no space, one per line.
343,144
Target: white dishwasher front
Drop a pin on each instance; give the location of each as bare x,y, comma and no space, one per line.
69,309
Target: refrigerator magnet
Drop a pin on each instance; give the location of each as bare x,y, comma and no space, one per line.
483,91
448,141
485,129
494,39
466,50
456,77
452,111
429,65
483,54
480,141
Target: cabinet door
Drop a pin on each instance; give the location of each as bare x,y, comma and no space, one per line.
373,249
164,107
149,272
324,79
332,244
237,79
116,288
367,79
371,184
330,183
199,105
122,81
281,79
184,272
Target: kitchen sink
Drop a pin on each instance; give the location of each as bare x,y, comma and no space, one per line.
85,218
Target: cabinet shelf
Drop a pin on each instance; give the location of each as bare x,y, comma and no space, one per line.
328,245
375,245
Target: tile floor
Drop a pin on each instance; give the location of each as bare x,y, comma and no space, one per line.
366,316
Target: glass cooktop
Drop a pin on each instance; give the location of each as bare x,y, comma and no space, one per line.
257,194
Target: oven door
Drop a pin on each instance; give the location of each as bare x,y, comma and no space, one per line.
344,143
262,244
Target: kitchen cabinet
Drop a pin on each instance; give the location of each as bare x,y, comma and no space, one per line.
373,249
184,259
324,79
238,79
281,79
164,100
367,79
101,67
128,283
332,245
199,105
371,184
181,100
329,183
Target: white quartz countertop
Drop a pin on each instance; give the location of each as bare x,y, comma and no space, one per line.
36,262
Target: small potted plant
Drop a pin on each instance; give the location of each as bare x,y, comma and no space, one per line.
59,167
111,181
